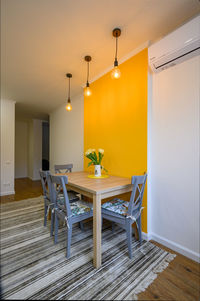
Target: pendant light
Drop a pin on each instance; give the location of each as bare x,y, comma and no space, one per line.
115,74
69,106
87,91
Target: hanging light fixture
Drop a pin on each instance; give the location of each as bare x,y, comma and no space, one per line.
87,91
69,106
115,74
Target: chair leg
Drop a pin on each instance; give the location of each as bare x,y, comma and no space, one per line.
52,223
69,238
81,225
139,227
56,229
45,215
113,227
129,238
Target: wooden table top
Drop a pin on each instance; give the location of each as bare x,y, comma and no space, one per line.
96,186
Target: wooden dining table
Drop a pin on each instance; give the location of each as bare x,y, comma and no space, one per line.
97,189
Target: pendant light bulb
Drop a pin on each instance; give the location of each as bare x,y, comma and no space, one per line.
87,90
115,74
69,105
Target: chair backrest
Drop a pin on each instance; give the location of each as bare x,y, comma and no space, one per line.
44,176
63,168
135,204
58,186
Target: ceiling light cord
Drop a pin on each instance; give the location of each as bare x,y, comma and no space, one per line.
69,90
69,106
88,70
87,91
116,72
116,48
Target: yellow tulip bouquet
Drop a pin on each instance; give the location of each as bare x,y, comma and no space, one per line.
95,157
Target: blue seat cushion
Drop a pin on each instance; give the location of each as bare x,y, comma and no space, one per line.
117,206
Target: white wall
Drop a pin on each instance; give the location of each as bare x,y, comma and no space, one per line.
66,135
174,158
21,149
7,146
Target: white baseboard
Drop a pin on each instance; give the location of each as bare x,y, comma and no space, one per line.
34,179
145,236
174,246
7,193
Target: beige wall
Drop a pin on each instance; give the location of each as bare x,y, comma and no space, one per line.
66,135
7,146
30,149
21,149
34,148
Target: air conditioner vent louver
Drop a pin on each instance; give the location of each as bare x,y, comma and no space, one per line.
176,47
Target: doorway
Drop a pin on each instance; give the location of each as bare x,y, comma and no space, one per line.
45,146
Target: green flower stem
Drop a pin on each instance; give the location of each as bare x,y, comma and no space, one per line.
95,159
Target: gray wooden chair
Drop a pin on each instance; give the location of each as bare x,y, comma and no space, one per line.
72,195
65,168
126,213
64,210
48,205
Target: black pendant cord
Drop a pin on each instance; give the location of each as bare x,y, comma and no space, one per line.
116,33
69,90
88,59
88,69
116,48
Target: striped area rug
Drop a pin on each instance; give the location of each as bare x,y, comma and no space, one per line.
32,267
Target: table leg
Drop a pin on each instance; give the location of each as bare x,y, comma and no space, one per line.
97,230
49,215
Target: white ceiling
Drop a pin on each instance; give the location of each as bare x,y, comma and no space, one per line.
42,40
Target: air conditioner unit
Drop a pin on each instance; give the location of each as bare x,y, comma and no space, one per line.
179,45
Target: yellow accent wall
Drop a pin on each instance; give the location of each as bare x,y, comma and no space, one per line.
115,119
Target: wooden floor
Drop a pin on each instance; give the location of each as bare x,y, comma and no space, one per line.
24,189
180,281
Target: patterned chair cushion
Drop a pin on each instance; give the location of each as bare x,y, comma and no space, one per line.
117,206
73,197
77,208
